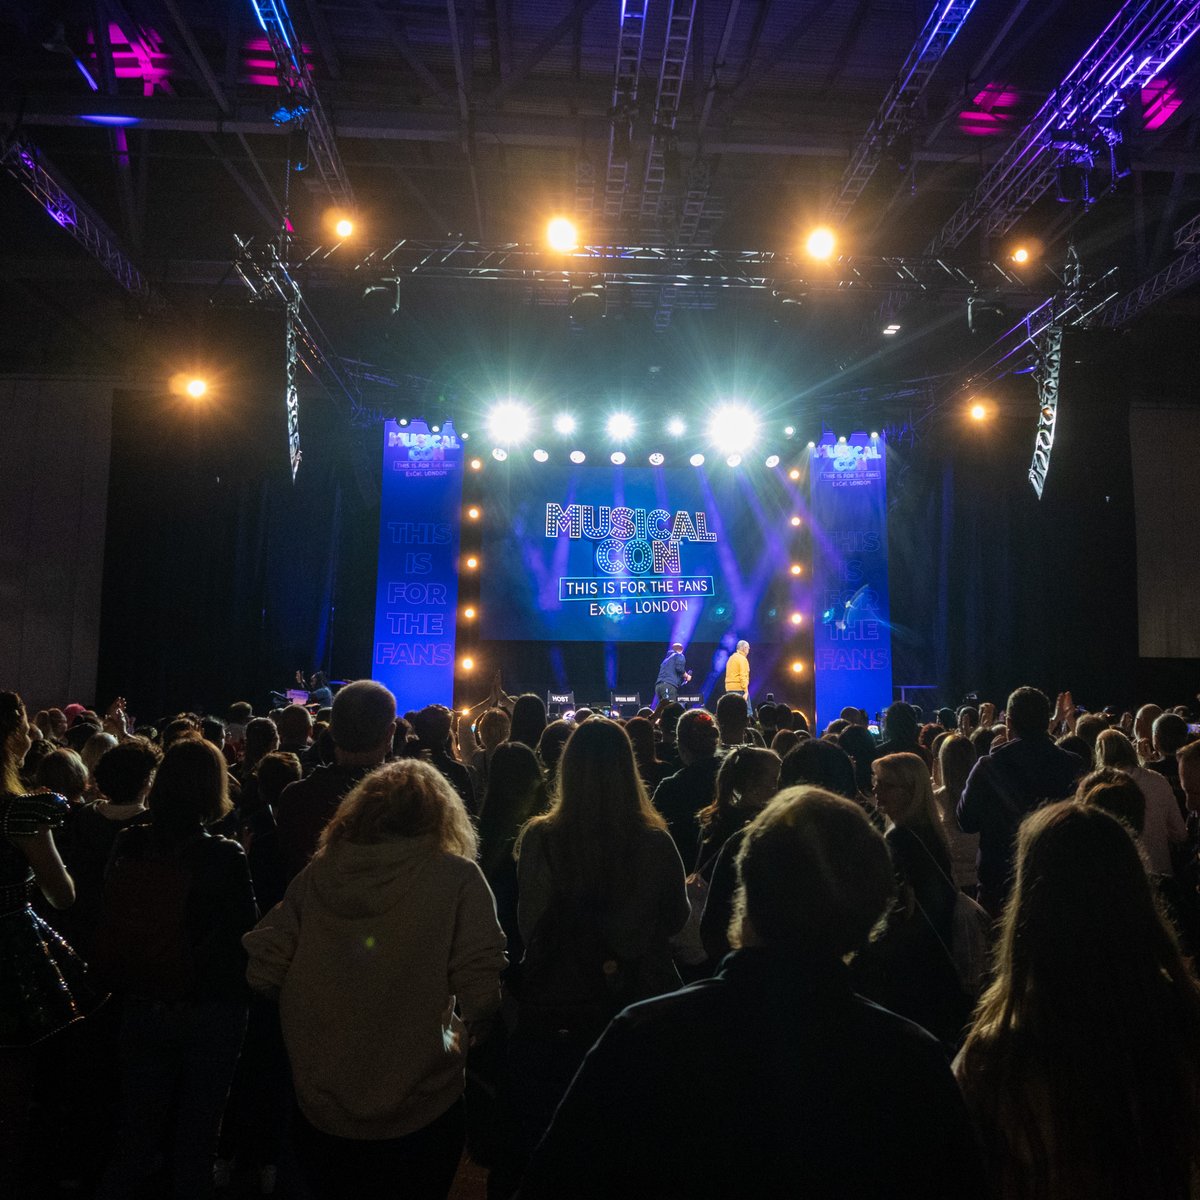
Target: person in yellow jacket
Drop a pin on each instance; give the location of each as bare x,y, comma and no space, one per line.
737,672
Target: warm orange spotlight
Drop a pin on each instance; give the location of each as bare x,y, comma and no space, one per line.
196,388
472,563
979,412
344,228
476,464
797,618
797,569
820,243
468,664
797,667
562,235
794,474
473,513
469,613
1021,255
795,522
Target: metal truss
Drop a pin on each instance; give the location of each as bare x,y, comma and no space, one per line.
1178,274
630,40
25,163
269,281
895,115
653,266
680,19
1137,44
1046,375
295,76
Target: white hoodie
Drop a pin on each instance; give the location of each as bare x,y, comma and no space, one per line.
370,952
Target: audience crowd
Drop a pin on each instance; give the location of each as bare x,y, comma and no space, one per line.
333,951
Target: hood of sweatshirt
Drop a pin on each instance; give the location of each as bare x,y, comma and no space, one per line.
356,881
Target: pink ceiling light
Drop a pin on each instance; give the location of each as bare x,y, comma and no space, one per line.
1159,102
992,111
258,62
138,56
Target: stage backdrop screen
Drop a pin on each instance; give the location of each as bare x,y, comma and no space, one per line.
638,554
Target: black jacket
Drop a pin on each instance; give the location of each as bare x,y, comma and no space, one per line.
771,1080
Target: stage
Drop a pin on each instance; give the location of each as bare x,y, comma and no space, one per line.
570,567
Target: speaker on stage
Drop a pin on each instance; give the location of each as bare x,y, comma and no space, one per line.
558,703
626,704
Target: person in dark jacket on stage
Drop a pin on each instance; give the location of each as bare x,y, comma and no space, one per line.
773,1079
672,674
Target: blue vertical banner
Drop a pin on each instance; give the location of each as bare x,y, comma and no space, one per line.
852,633
416,590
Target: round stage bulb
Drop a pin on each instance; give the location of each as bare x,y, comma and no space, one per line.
789,431
477,464
344,228
562,235
564,423
508,423
820,243
578,456
796,618
620,426
617,457
676,427
469,613
473,513
196,388
468,664
697,460
978,412
472,563
540,456
797,667
402,421
499,453
656,459
812,445
796,568
794,473
795,522
466,437
874,436
734,460
772,462
842,441
1020,255
732,428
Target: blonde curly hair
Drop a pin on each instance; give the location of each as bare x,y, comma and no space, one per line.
404,799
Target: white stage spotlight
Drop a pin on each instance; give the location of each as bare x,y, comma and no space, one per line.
540,456
564,424
656,459
509,423
578,456
734,460
772,462
617,457
676,427
620,426
732,428
499,453
697,460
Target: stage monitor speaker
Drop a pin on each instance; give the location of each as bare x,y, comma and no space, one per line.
558,703
626,703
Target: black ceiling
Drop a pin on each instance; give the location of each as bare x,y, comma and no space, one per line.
477,119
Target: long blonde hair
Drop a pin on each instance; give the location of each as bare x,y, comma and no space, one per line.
404,799
1082,1068
600,806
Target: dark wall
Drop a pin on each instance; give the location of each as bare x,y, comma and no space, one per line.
994,588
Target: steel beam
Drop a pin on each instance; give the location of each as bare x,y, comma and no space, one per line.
895,114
